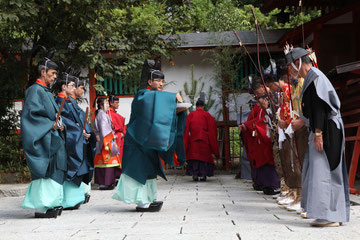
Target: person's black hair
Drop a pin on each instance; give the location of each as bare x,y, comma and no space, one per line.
150,71
100,103
64,78
156,74
47,64
113,98
256,83
79,83
269,78
281,68
200,103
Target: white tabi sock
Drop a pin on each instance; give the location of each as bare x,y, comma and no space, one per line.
140,205
41,210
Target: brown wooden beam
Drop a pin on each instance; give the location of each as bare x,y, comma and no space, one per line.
354,138
347,67
352,125
353,112
229,123
355,99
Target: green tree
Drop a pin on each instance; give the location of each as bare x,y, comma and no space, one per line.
193,89
228,15
111,36
80,31
107,36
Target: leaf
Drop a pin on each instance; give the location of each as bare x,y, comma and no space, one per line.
99,78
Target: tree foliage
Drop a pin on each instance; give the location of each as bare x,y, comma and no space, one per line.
107,36
112,37
228,15
127,31
81,30
193,89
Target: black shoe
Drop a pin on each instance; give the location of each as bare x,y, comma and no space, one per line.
87,198
156,204
77,206
111,187
59,209
257,187
140,209
270,191
153,207
50,213
195,178
203,179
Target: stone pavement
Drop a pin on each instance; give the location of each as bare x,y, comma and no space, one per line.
221,208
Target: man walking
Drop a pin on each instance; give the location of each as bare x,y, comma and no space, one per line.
200,142
44,145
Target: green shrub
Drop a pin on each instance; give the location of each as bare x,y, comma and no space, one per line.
12,157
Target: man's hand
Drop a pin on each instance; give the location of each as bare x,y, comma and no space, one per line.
296,124
282,124
179,98
55,127
178,110
122,135
318,142
86,135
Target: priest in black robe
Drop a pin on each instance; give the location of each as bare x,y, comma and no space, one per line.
325,189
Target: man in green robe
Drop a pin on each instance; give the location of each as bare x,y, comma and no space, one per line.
44,145
155,130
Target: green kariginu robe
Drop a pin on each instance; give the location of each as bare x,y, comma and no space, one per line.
44,148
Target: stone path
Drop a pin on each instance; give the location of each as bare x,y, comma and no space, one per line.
221,208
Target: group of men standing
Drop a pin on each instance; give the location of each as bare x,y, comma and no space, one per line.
294,132
62,150
59,144
294,140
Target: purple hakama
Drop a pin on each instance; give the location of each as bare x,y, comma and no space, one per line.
199,168
266,176
106,176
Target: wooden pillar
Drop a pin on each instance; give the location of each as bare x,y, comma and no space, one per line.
356,25
354,162
316,43
226,130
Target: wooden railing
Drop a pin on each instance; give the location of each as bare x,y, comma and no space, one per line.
356,151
